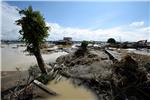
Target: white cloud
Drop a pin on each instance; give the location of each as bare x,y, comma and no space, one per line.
9,16
125,33
137,24
132,32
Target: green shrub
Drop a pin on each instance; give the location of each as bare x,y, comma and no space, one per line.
83,49
84,44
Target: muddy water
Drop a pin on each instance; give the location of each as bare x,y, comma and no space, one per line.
68,91
15,57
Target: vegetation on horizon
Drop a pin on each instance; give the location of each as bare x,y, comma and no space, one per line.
111,41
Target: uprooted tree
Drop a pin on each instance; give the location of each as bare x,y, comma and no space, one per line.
33,32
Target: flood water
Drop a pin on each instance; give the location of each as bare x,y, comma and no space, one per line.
141,51
68,91
12,57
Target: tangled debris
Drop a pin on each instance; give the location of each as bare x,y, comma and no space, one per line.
128,79
71,60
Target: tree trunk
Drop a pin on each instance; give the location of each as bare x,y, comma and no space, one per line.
40,61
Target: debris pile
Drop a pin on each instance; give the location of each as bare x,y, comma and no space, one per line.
71,60
129,81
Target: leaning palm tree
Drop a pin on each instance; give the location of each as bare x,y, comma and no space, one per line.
33,33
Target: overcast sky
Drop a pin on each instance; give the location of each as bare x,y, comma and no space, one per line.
125,21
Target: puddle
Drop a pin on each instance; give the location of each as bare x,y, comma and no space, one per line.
68,91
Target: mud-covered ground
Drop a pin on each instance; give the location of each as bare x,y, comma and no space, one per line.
128,77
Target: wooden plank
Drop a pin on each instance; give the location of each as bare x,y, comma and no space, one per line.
44,88
111,56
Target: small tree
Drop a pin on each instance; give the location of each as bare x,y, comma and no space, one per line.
84,45
83,49
33,32
111,41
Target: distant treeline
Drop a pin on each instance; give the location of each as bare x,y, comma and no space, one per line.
74,42
18,41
